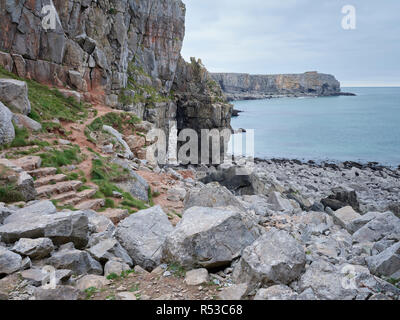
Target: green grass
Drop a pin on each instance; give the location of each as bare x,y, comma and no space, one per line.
48,103
109,203
177,270
90,292
9,193
57,158
116,120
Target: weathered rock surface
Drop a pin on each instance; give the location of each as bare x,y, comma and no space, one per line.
211,195
34,248
345,216
197,277
277,292
143,234
234,292
209,237
91,281
80,262
387,263
275,258
10,262
108,249
7,132
23,121
342,197
60,293
60,227
14,94
115,267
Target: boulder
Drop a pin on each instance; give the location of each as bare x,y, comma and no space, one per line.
258,203
210,237
135,142
115,267
326,281
342,197
37,277
384,226
358,223
91,281
197,277
387,263
143,234
34,248
79,262
345,216
23,121
37,209
211,195
108,249
7,132
62,227
234,292
277,292
60,293
10,262
275,258
135,184
14,94
278,203
4,213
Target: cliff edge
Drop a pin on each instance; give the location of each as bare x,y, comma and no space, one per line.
241,86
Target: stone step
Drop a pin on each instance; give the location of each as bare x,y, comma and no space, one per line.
115,215
42,172
78,197
58,188
64,196
29,163
93,204
50,180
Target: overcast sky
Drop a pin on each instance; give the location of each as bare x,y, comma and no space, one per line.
294,36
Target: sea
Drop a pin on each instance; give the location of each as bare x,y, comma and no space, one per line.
363,128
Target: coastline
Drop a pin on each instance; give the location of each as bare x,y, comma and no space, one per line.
233,97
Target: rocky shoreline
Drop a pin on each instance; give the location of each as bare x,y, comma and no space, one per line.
302,232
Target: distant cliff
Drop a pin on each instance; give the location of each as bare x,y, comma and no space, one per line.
241,86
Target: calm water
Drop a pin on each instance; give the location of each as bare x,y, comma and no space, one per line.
363,128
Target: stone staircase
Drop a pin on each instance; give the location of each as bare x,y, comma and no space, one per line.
52,186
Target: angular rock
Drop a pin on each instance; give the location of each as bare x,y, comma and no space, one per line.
209,237
275,258
278,203
40,208
7,132
277,292
60,293
385,226
115,267
79,262
358,223
108,249
387,263
62,227
14,94
258,203
143,234
23,121
234,292
91,281
34,248
345,216
342,197
37,277
10,262
326,281
128,153
4,213
211,195
135,184
197,277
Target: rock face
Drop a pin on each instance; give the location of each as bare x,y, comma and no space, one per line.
124,53
209,237
275,258
7,132
14,94
143,234
240,86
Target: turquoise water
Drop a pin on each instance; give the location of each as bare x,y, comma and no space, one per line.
362,128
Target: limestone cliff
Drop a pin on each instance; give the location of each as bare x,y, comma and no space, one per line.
123,53
240,86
